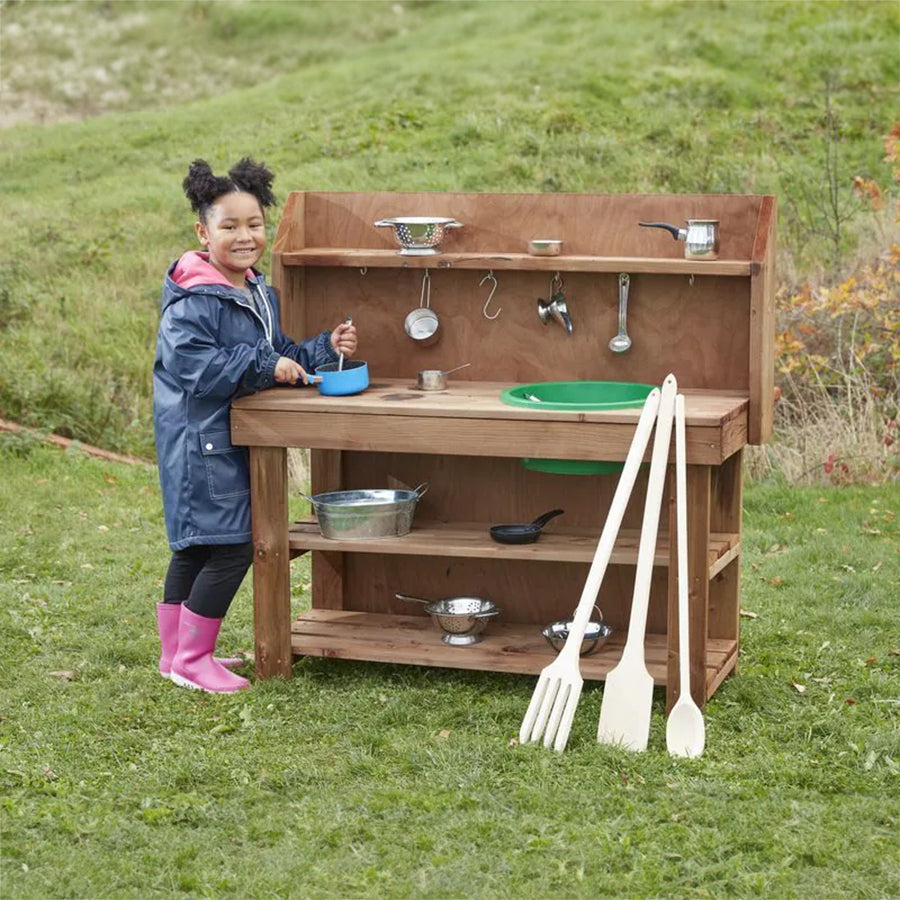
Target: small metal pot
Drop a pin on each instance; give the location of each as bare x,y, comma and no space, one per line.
365,515
435,379
422,326
544,247
701,237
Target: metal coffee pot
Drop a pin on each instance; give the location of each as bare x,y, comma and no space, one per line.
701,237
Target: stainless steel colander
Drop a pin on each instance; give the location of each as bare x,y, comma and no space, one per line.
461,619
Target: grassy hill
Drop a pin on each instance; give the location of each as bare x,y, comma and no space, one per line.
784,98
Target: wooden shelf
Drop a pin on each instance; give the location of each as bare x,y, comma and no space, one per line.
513,648
471,539
391,259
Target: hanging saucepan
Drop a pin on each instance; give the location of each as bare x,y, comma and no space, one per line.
524,533
336,382
701,237
422,324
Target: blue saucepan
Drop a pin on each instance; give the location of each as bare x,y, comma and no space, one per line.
353,378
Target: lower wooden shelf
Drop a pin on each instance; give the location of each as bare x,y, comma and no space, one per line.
517,649
472,540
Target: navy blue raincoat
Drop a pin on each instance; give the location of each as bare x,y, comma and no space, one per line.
214,344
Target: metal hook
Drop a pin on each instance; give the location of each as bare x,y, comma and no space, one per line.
556,284
425,293
363,270
691,280
484,311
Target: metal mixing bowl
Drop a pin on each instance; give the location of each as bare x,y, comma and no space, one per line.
419,235
595,636
366,514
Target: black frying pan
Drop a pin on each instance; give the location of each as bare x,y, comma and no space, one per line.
524,533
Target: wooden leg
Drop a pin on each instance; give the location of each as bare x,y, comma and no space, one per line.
698,520
327,568
725,515
271,561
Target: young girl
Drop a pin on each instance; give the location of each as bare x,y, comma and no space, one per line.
219,338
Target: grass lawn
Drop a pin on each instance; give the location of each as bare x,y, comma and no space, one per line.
367,780
591,97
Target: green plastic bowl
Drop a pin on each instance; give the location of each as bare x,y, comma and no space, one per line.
573,466
576,395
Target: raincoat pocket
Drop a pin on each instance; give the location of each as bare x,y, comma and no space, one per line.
226,465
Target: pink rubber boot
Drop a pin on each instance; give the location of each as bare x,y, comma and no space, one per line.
167,615
193,665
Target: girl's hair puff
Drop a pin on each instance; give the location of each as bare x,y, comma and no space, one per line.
203,188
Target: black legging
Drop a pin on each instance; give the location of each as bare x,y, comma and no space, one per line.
207,578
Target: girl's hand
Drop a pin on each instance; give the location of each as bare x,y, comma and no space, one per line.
343,339
289,372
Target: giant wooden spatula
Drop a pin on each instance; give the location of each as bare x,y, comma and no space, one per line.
556,694
685,731
628,692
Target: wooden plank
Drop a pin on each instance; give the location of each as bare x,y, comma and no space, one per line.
290,288
726,558
327,566
518,649
762,326
726,509
350,258
724,665
708,314
589,224
463,436
478,399
471,539
698,506
271,561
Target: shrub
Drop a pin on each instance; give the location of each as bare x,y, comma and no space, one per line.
838,368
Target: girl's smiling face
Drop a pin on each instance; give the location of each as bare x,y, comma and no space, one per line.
234,232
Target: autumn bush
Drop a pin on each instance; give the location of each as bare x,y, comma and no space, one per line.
837,412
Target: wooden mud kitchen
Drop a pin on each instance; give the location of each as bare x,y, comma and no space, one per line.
518,316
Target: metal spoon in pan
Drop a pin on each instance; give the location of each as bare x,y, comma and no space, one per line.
347,321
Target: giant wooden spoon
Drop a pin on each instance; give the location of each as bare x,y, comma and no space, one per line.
685,730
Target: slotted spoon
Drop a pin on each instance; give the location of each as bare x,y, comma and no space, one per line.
555,698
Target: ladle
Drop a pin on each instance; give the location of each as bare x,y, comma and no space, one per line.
621,342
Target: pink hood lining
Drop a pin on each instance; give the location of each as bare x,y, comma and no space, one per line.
194,269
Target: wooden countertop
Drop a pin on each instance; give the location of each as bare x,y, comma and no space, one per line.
469,418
